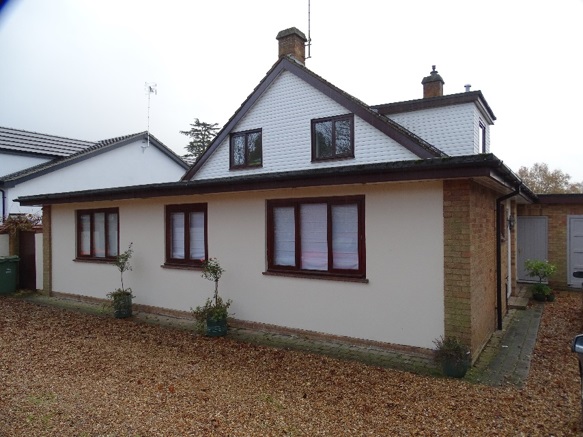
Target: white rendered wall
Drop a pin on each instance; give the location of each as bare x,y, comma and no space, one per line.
284,113
402,303
4,244
452,129
11,163
124,166
38,259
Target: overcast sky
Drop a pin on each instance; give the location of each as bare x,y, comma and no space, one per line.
77,68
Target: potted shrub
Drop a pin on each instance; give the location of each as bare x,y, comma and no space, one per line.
211,318
541,270
121,299
453,355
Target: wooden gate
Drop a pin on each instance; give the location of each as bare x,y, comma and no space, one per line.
27,265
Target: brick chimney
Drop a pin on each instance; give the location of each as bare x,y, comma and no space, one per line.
432,84
292,42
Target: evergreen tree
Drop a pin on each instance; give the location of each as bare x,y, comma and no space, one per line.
201,134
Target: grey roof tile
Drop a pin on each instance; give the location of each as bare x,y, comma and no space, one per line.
20,141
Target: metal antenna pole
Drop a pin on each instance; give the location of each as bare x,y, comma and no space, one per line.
150,88
309,44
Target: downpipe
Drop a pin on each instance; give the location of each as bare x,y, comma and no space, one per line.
499,201
3,202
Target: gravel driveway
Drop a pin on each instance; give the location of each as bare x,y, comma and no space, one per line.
65,373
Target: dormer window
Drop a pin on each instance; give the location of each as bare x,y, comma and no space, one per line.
333,138
246,149
482,138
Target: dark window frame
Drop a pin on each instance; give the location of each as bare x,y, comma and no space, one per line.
348,155
246,134
482,136
185,208
92,249
296,203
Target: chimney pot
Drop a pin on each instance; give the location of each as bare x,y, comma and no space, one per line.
432,84
467,87
292,42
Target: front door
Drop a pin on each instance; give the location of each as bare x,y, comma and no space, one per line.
532,243
575,250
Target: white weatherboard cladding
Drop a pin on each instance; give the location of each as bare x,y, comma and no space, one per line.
452,129
284,113
402,303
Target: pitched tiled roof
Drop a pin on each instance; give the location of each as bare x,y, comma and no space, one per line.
91,149
20,141
484,167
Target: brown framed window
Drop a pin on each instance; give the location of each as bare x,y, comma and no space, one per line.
246,149
186,234
482,137
98,233
321,236
333,138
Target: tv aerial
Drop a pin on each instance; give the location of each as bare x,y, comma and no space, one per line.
150,88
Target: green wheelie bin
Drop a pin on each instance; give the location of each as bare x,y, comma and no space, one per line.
8,274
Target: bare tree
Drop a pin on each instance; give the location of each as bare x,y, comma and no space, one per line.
540,179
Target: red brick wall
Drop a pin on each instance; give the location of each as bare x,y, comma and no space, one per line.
557,237
470,262
483,265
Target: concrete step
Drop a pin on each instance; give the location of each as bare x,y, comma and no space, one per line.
517,302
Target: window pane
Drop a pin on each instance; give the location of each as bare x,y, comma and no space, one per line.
323,139
99,234
314,237
177,238
343,145
284,234
345,236
254,143
85,234
197,236
238,150
112,249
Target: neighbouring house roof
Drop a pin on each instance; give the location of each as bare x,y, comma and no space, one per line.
486,168
475,97
392,129
558,198
93,149
33,143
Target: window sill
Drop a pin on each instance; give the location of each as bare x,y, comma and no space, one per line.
95,260
328,277
245,167
180,267
332,158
